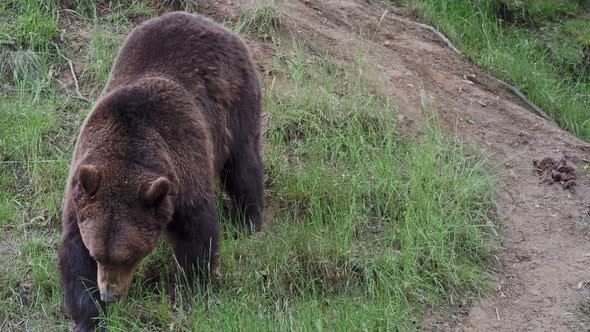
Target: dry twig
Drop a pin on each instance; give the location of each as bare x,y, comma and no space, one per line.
73,72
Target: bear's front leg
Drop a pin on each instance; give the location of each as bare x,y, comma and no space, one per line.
243,179
78,272
193,234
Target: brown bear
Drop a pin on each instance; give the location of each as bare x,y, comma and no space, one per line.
180,111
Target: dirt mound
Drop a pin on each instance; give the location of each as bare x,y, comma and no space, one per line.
551,171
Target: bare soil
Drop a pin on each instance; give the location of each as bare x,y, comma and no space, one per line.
541,278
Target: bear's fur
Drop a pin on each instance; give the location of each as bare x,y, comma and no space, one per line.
181,108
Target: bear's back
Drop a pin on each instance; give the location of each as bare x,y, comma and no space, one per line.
210,63
203,56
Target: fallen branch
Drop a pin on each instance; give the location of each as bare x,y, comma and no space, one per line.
521,95
512,88
428,27
73,72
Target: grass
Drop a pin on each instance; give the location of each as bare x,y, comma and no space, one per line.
536,12
261,18
544,60
99,58
32,23
364,228
569,46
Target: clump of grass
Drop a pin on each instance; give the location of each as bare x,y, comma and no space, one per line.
31,24
514,55
25,70
123,9
99,58
568,43
27,129
266,19
28,30
261,18
536,12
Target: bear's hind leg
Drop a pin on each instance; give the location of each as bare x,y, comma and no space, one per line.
243,181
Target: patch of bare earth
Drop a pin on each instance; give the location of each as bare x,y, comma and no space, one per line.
542,277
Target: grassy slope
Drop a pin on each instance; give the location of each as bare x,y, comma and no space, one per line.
542,52
364,228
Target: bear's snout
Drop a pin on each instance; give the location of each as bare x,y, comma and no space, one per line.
112,282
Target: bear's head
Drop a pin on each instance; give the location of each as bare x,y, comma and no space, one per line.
122,212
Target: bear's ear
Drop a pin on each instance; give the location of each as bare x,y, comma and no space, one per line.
89,177
156,190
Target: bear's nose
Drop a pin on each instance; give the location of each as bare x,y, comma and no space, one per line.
108,297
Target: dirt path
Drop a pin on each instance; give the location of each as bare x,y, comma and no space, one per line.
543,276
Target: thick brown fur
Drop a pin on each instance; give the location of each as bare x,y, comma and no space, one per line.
181,108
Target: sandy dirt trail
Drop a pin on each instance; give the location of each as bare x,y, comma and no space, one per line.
542,277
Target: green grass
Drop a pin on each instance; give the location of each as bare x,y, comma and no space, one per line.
99,58
32,173
538,11
546,64
28,29
364,227
32,24
569,46
261,19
